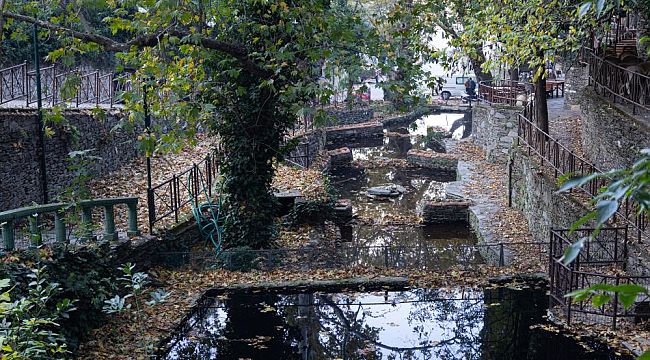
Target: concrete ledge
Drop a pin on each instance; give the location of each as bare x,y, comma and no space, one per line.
351,134
340,157
440,212
433,160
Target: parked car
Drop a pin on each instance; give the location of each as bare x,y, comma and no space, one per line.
454,86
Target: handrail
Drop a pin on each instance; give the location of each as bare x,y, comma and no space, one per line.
9,218
565,162
505,92
165,199
617,82
19,83
574,276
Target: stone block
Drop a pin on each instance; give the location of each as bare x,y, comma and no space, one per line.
433,160
340,157
444,211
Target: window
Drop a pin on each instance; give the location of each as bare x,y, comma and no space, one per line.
460,80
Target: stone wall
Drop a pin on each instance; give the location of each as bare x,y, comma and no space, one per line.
494,127
347,117
370,134
610,138
535,195
442,212
575,82
20,174
433,160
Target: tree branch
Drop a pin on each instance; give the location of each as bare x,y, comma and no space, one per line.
236,51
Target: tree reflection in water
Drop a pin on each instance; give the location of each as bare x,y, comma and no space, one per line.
414,324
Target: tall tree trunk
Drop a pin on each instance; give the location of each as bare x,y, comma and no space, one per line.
251,131
477,61
541,105
514,74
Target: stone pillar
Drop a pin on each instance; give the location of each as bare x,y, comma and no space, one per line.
576,80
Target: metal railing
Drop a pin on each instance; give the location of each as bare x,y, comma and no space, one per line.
422,257
504,92
579,275
13,83
64,218
301,155
563,161
171,198
75,87
616,82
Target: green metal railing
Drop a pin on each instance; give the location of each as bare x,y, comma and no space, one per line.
33,214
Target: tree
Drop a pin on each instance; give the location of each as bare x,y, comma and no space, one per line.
526,32
247,68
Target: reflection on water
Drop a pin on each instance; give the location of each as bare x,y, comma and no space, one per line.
398,140
420,183
444,121
415,324
435,247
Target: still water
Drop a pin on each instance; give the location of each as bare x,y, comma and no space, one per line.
411,324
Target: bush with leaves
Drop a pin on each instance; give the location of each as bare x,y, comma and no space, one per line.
29,325
624,185
133,302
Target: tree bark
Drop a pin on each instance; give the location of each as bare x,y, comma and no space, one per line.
541,105
477,61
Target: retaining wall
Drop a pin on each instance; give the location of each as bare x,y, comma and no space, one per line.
610,138
494,128
347,117
20,173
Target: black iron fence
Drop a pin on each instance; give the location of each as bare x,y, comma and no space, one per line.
618,83
608,249
74,87
423,257
172,198
564,162
504,92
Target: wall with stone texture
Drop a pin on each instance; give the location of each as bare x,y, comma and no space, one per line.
20,175
575,82
535,195
347,117
494,127
610,138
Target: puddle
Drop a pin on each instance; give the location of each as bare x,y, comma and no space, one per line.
412,324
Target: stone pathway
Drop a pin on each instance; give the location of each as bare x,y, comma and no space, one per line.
485,184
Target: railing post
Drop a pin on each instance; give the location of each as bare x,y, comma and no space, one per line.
8,235
151,209
615,303
175,198
97,87
569,300
59,226
502,260
109,223
133,219
86,223
34,232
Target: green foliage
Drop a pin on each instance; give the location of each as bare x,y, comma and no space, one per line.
600,294
30,325
623,185
626,184
86,275
135,284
